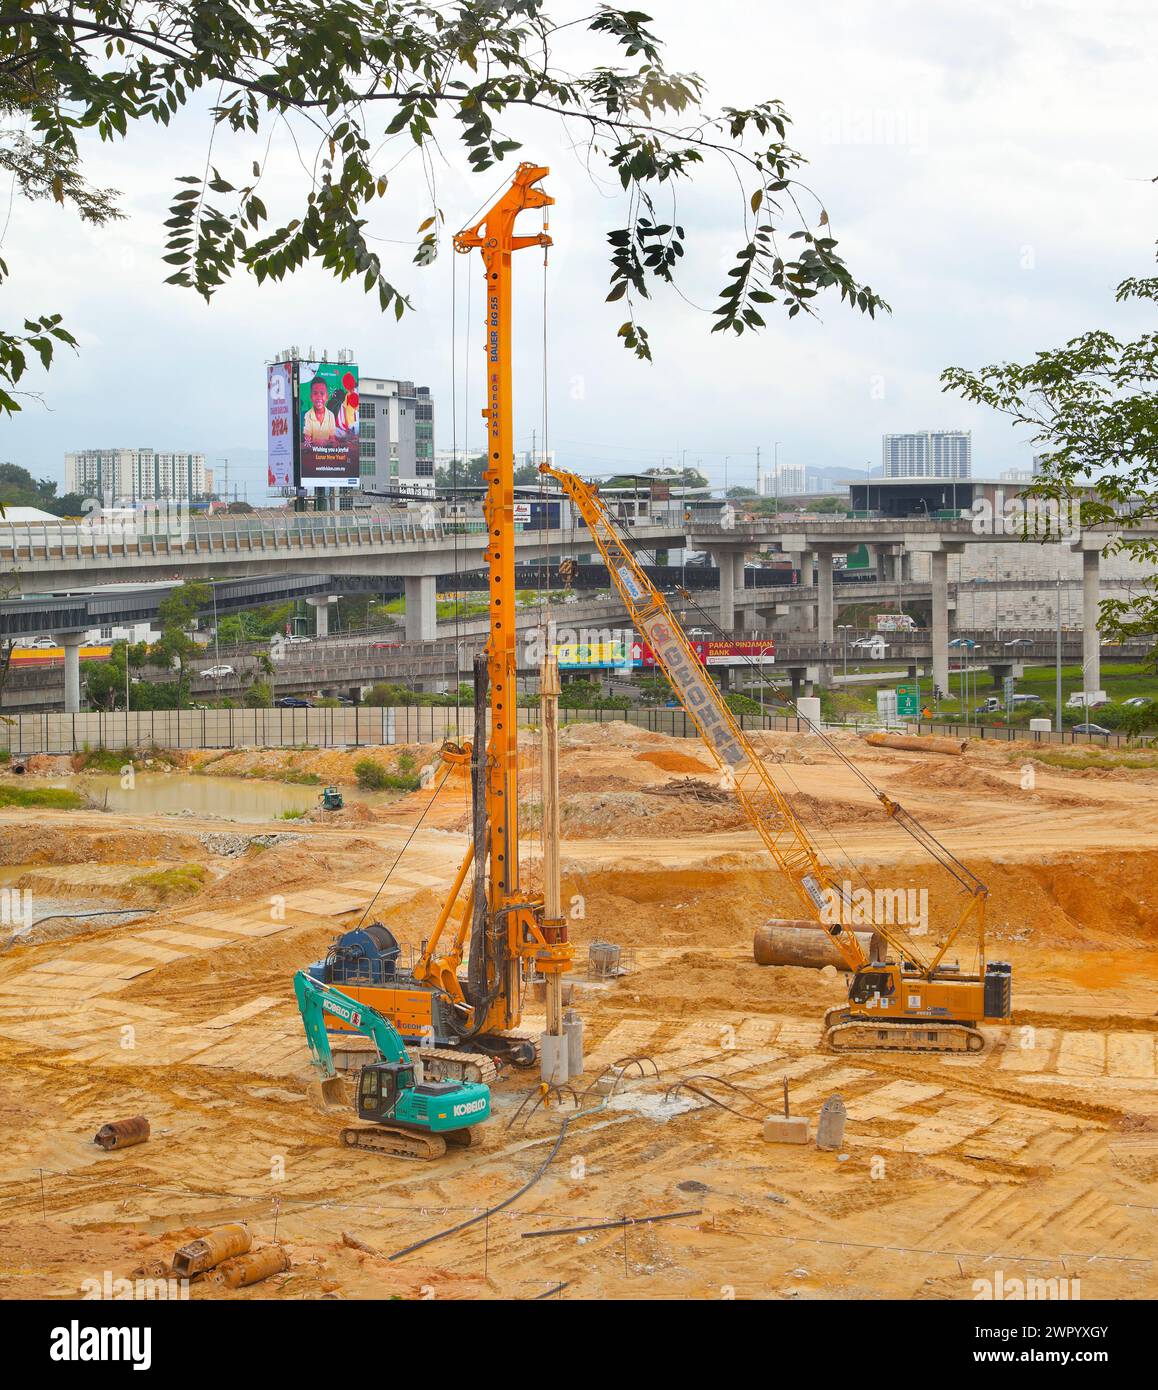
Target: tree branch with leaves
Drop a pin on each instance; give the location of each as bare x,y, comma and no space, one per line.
1090,408
380,80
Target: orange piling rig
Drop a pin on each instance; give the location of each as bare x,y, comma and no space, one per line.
512,917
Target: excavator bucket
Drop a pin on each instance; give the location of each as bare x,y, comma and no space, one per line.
333,1095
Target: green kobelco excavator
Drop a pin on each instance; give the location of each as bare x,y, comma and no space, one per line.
400,1116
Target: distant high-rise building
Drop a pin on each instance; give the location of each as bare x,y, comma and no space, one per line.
785,480
126,476
928,454
396,433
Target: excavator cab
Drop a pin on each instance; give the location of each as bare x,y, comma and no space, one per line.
379,1088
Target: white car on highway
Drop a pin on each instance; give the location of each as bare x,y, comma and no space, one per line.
216,673
874,646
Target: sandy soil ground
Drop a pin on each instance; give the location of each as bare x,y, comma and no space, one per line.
1038,1157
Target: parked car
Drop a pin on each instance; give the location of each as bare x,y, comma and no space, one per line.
216,673
1089,729
292,702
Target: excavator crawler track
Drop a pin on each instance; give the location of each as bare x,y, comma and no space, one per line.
397,1143
449,1064
859,1035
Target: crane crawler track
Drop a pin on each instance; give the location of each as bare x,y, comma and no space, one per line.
843,1032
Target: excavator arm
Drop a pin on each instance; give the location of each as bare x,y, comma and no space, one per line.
316,1000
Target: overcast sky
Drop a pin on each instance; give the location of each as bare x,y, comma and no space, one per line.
986,166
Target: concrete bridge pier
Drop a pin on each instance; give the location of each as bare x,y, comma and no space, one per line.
998,670
71,641
939,624
421,608
1091,638
321,607
825,606
730,564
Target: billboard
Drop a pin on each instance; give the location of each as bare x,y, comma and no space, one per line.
280,422
578,656
327,399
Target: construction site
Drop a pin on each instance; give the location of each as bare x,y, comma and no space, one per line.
1037,1155
594,1013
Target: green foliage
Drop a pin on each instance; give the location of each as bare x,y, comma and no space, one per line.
373,777
1091,412
108,760
587,694
18,488
342,84
259,695
255,624
180,881
180,606
741,704
51,798
104,681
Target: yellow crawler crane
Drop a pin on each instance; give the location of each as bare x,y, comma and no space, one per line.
902,1003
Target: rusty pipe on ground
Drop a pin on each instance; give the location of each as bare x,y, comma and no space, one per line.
791,942
252,1268
122,1134
210,1250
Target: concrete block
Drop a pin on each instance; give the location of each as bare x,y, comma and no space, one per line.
607,1082
786,1129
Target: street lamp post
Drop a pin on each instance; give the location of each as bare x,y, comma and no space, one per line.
763,653
843,629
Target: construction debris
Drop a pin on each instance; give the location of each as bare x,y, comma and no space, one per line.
242,1270
786,1129
122,1134
830,1126
355,1244
210,1250
912,743
694,789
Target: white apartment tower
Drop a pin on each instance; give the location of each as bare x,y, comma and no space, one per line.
928,454
125,476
